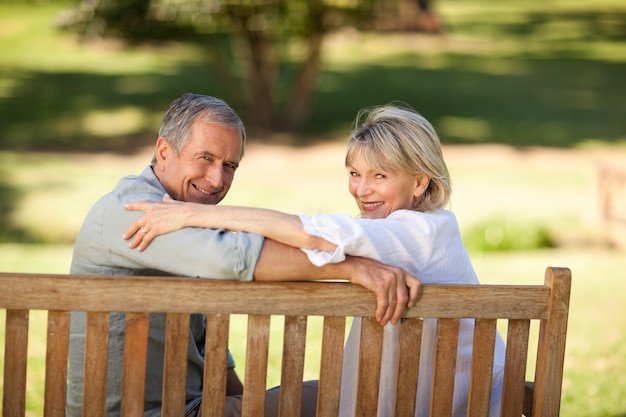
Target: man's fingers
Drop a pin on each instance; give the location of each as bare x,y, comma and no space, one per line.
381,308
415,286
401,304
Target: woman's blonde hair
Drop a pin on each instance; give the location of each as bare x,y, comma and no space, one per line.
396,138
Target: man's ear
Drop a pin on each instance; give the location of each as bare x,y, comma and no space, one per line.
163,150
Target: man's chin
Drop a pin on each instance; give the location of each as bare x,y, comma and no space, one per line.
205,199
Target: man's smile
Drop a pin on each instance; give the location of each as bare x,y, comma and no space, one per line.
204,191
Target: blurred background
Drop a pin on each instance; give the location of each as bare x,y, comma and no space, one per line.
527,97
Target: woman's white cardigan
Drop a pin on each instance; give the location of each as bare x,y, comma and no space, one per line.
429,246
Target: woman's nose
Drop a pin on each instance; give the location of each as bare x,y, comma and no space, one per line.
363,187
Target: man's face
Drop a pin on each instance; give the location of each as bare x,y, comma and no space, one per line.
205,167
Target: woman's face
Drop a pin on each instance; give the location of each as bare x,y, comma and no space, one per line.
379,193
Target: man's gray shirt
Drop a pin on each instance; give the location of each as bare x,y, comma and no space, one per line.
196,252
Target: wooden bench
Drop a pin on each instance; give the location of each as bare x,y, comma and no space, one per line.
178,297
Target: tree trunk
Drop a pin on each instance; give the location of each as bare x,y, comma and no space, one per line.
220,64
299,102
261,78
302,89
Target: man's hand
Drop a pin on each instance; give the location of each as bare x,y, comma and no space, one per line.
395,288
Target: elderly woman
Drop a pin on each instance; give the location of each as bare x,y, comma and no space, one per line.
400,182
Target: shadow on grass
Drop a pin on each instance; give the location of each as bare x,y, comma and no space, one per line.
558,103
9,197
83,112
594,23
519,102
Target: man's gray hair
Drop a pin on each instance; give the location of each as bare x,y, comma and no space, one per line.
190,107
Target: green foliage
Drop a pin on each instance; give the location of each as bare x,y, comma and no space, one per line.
244,41
195,20
507,235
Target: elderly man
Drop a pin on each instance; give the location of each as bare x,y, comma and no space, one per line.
200,145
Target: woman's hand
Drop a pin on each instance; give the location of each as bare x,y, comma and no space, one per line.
160,218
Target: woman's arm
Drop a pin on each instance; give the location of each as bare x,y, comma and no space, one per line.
171,215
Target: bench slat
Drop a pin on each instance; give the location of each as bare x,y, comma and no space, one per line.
15,359
333,337
482,367
515,367
135,350
95,372
409,349
551,348
368,379
292,368
444,367
57,346
175,364
215,365
257,351
145,294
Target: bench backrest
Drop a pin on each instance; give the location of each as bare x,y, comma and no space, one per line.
178,297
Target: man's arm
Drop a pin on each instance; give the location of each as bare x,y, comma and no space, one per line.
395,288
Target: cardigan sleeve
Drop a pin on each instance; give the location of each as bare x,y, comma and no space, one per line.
404,236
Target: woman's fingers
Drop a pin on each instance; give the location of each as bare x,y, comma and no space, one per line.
145,237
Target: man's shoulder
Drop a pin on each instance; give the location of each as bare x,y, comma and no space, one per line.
143,187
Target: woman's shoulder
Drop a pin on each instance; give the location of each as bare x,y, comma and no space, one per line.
434,215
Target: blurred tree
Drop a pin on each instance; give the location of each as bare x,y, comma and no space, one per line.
248,43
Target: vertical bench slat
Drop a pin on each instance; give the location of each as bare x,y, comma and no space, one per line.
215,365
135,353
175,364
369,367
57,345
482,367
409,349
444,367
515,367
333,337
292,369
96,353
551,348
257,351
15,360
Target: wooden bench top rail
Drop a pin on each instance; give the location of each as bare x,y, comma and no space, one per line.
180,297
194,295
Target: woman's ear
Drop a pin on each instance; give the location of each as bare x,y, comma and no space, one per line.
421,185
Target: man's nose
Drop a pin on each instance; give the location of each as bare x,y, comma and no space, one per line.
215,176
